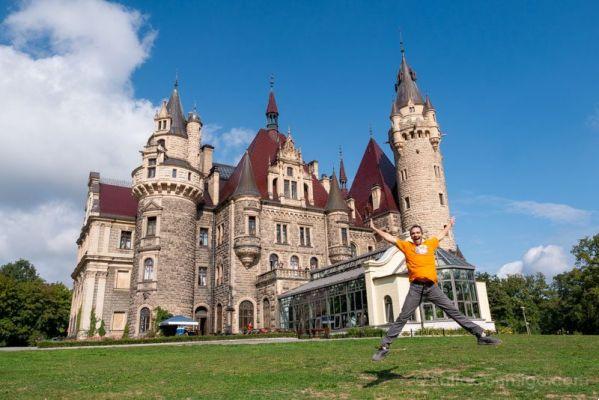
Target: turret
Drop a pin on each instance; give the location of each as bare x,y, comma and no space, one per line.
272,111
337,220
414,137
168,187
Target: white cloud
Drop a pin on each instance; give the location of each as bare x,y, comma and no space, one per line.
593,119
44,235
554,212
229,145
67,98
549,260
561,213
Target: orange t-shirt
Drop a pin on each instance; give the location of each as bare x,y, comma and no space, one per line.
420,259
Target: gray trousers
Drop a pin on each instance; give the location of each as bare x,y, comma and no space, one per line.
434,294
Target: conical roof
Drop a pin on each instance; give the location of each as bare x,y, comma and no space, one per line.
335,201
406,87
272,104
247,184
175,110
342,176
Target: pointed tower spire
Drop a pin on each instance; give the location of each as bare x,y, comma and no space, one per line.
272,112
175,110
428,105
342,176
405,87
335,201
247,184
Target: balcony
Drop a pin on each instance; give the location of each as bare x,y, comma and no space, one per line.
339,253
282,273
247,248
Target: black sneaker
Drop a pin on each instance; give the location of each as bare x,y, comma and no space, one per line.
380,353
488,340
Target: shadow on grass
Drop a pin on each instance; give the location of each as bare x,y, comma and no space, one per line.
388,375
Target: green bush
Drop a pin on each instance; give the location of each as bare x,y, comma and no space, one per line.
102,330
162,339
364,332
92,324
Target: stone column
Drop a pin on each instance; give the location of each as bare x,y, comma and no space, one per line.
88,297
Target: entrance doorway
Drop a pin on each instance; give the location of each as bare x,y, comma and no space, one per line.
201,316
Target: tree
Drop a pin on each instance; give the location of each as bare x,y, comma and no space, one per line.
92,323
20,271
586,252
30,308
102,329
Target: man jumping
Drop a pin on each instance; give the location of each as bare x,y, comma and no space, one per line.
422,272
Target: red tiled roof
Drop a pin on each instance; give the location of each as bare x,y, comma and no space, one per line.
263,149
117,200
375,169
272,104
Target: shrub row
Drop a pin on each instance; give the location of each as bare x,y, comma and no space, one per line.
162,339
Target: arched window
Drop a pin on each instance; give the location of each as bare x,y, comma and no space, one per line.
306,192
148,269
219,318
144,320
354,250
246,315
219,274
388,309
266,313
162,143
273,260
314,263
294,262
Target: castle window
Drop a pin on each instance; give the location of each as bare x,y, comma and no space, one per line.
151,167
189,176
162,143
125,242
174,173
344,239
122,280
289,171
219,274
437,171
313,263
202,276
148,269
370,248
252,225
407,202
305,239
294,262
286,189
412,109
281,233
293,189
118,321
388,309
273,261
441,199
151,226
306,192
144,320
203,237
354,250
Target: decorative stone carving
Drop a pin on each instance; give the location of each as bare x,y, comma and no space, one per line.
247,248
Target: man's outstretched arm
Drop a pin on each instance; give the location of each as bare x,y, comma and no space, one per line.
385,235
446,230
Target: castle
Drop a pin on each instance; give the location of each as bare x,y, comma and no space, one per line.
267,242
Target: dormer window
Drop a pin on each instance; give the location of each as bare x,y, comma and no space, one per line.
162,143
289,171
412,109
293,189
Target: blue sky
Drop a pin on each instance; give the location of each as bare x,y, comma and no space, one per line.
515,86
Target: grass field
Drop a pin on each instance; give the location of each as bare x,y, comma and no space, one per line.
554,367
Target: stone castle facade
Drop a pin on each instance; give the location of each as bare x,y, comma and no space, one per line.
220,243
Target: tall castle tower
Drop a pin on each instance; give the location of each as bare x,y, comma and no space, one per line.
337,222
415,137
168,186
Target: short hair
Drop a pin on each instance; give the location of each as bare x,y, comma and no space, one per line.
415,226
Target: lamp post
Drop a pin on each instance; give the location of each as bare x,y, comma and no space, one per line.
525,322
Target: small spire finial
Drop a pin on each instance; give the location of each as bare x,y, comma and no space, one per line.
340,152
370,130
271,81
403,50
176,78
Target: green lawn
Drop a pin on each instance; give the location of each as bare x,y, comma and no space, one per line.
553,367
